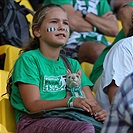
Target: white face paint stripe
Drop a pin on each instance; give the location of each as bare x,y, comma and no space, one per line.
53,29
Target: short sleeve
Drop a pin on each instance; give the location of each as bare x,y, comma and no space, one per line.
26,71
103,7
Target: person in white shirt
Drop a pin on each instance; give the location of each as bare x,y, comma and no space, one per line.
117,64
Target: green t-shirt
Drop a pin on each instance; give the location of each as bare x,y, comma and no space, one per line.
98,65
59,2
98,8
101,6
49,75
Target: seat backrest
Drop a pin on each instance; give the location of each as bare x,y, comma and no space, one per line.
26,3
7,115
3,129
11,54
3,83
87,68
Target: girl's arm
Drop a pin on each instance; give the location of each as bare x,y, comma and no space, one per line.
32,101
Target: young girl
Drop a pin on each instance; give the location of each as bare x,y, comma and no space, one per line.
38,79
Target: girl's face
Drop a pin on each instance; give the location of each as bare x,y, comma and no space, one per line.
54,28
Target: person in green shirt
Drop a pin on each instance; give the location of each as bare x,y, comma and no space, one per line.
89,20
38,81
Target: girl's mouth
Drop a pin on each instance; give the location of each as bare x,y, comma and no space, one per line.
61,35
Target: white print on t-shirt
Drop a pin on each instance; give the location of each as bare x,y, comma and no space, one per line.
81,4
93,6
54,83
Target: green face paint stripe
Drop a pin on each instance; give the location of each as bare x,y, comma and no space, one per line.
67,30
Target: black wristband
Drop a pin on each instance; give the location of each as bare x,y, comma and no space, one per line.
84,13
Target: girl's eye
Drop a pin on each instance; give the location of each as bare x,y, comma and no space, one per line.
66,23
54,22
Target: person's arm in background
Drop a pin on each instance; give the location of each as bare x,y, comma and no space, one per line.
106,24
77,23
105,21
120,116
112,88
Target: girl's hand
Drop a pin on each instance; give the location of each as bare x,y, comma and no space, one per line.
85,104
101,115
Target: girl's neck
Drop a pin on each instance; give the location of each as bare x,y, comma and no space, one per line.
50,52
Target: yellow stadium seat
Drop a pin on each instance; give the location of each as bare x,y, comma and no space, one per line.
87,68
3,83
3,129
26,3
11,54
7,116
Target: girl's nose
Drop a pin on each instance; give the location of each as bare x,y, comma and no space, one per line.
61,29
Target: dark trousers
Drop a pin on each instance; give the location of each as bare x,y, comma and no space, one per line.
53,125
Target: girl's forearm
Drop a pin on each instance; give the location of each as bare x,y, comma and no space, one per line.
39,105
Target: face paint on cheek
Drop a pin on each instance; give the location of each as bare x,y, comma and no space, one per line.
68,30
51,29
54,29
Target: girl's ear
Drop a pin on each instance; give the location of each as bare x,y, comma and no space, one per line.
37,32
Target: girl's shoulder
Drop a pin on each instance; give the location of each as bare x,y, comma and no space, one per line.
29,54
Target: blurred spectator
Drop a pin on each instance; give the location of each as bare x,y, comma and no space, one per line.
117,4
117,64
120,118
